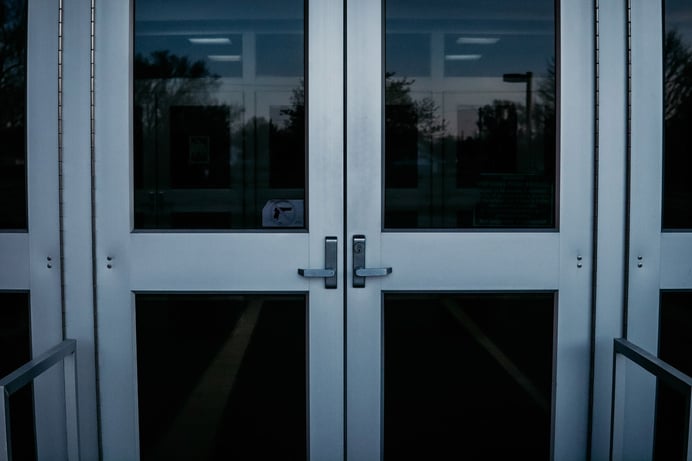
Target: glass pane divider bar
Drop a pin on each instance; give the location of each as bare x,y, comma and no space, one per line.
676,379
66,352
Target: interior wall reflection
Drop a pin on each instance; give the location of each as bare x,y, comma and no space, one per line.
13,28
219,115
470,122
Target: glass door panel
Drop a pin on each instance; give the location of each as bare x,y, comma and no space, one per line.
458,182
464,371
221,376
469,124
219,116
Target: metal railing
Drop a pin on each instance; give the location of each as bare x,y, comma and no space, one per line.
64,352
624,350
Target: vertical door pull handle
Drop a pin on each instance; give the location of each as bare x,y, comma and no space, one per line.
329,272
360,272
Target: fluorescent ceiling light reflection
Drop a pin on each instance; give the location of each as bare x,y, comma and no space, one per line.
224,57
463,57
477,40
210,41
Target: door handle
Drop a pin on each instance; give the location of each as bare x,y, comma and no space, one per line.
329,271
360,272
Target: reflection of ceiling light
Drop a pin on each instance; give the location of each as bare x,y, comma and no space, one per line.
463,57
477,40
209,41
224,57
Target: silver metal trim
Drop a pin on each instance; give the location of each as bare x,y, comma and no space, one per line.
64,352
679,381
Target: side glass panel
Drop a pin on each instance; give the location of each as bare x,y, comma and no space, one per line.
222,376
468,376
219,115
13,21
677,73
675,344
470,125
15,344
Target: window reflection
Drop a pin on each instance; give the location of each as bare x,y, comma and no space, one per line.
470,125
677,64
219,129
13,23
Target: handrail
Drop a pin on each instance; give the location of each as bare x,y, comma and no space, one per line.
677,380
64,352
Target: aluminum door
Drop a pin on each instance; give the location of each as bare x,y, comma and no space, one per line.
455,253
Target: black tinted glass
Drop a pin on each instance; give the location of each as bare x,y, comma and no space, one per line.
468,376
222,376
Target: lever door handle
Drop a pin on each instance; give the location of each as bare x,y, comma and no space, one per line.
360,272
373,271
329,271
317,273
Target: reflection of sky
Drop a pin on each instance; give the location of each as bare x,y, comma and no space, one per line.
679,17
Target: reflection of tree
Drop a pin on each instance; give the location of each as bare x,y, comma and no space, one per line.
182,134
12,64
12,75
287,144
502,136
678,74
413,127
164,79
677,60
12,113
497,136
418,113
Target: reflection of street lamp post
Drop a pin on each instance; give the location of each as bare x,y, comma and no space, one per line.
521,78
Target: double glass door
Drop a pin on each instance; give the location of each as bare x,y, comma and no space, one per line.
343,231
